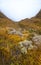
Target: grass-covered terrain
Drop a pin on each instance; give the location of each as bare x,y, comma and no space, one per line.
20,43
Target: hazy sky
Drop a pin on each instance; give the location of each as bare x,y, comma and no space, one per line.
20,9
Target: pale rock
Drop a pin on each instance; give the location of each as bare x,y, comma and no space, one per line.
37,39
24,50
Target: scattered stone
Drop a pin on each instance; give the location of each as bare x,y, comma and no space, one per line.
24,50
25,43
37,39
30,47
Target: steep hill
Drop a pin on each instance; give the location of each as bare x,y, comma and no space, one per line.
6,22
33,23
2,15
39,15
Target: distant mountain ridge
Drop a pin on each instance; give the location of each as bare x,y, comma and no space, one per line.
23,24
6,22
2,15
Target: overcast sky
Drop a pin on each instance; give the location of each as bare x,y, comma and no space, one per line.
20,9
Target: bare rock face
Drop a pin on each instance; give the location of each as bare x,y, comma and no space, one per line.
37,39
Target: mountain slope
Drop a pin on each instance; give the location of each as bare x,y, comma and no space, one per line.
33,23
2,15
39,15
18,49
6,22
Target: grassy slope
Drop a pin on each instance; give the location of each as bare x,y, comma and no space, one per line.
9,52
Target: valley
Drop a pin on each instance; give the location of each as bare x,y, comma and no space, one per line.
20,42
